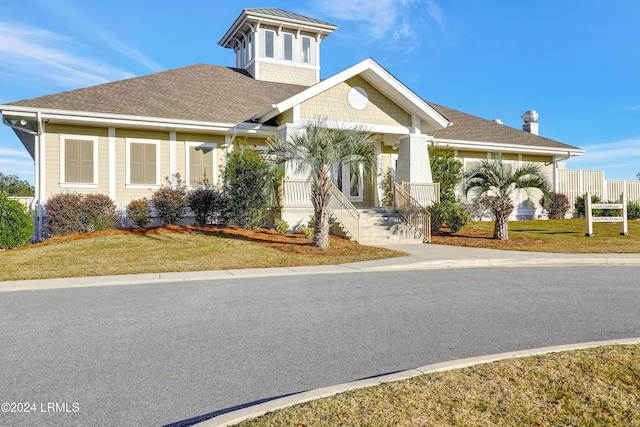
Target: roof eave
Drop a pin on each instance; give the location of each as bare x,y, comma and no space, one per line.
510,148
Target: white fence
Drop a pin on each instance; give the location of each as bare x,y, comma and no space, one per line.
573,183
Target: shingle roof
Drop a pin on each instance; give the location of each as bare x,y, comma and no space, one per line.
466,127
272,11
199,92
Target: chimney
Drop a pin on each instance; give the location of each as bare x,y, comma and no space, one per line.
530,122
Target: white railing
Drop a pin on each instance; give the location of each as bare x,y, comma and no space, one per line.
345,213
297,193
412,211
426,194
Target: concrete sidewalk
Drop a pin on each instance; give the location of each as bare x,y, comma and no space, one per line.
422,257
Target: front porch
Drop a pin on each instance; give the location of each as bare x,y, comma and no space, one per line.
401,214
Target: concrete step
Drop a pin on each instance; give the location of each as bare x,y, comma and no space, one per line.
385,226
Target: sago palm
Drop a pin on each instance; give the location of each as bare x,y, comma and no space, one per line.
494,184
315,150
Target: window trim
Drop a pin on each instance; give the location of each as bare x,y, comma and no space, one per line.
130,141
188,146
63,160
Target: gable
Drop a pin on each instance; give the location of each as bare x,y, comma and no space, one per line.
333,104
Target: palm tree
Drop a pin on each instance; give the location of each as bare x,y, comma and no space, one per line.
316,149
494,183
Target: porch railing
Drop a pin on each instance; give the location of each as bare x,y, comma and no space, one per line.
426,194
345,213
297,193
412,211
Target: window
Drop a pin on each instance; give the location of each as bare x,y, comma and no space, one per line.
268,44
306,50
250,47
143,163
288,46
201,163
79,164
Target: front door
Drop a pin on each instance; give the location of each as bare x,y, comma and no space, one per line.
349,181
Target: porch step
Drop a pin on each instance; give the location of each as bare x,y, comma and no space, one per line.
380,226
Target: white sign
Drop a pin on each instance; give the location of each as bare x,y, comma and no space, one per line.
589,207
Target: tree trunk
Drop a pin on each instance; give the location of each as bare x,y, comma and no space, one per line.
501,213
320,198
501,229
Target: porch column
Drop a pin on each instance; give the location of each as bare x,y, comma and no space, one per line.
413,159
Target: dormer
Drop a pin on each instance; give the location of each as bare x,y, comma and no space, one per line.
277,46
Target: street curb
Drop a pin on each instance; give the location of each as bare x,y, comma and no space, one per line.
138,279
234,417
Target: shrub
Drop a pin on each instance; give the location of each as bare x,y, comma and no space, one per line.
207,205
438,213
282,226
580,208
633,210
69,213
555,204
138,212
453,214
306,230
248,179
457,217
169,203
16,224
447,170
99,212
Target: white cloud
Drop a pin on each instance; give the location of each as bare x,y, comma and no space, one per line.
395,19
619,160
8,152
90,28
42,54
634,108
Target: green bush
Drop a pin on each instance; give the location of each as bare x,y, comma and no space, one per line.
138,212
580,208
555,204
453,214
457,217
248,179
16,224
633,210
169,203
306,230
207,204
68,213
438,213
282,226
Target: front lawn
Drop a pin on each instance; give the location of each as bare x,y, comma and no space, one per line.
558,236
166,249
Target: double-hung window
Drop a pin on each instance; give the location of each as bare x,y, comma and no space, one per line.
288,46
79,160
269,45
306,50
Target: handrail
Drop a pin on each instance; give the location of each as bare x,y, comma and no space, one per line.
416,215
345,213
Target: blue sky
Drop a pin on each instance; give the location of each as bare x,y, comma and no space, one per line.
577,63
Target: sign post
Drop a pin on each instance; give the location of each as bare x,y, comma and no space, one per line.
624,231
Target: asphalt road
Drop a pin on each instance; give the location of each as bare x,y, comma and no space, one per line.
160,354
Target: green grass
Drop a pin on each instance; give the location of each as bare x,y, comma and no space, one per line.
595,387
117,252
558,236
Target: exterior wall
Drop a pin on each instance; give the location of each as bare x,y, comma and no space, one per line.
286,117
286,73
123,193
333,105
53,179
528,205
278,44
